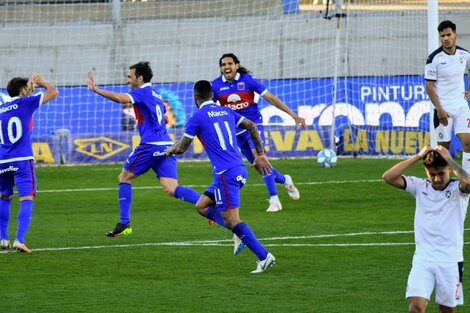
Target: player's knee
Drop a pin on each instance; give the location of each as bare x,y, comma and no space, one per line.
445,144
466,146
231,222
446,309
415,307
170,192
6,197
201,209
125,178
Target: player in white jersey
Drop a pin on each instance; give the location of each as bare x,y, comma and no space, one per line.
444,72
441,207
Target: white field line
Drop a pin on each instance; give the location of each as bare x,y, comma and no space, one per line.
227,242
203,186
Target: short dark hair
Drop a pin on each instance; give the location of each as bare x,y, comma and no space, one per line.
143,69
235,59
15,85
446,24
203,89
433,159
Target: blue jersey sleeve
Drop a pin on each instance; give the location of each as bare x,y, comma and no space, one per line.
192,126
256,85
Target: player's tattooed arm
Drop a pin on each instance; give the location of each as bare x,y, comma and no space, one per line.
254,134
180,147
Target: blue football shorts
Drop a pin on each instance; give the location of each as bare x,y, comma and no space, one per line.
145,157
226,187
19,173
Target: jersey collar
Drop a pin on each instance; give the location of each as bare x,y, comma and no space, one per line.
10,100
146,85
237,77
208,102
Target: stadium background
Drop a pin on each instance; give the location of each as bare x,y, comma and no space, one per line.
378,56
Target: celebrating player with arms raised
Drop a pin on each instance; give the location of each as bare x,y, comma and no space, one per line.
236,89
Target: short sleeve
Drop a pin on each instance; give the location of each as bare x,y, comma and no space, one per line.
412,184
257,86
430,71
192,126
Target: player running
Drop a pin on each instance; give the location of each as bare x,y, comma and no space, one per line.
149,154
215,126
236,89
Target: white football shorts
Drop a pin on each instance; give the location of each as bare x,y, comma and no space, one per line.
458,121
446,278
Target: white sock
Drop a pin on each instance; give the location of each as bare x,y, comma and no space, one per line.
288,180
274,199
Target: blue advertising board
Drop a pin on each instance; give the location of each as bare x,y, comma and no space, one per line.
373,116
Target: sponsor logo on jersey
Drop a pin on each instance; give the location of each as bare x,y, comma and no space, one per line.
8,169
224,88
241,179
9,108
234,104
158,153
217,113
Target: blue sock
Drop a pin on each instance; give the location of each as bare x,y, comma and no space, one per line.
24,218
278,177
186,194
246,235
213,213
4,218
125,201
270,184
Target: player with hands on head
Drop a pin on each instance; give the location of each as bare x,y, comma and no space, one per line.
444,74
236,88
16,154
149,154
215,126
441,207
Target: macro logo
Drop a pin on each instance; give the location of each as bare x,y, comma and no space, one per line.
99,148
233,98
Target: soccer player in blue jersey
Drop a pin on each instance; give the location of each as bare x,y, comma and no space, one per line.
236,89
16,154
215,126
149,154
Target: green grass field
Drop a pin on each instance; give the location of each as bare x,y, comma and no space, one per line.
345,246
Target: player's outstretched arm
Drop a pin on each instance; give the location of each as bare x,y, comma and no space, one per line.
51,91
393,176
180,147
275,101
113,96
459,172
